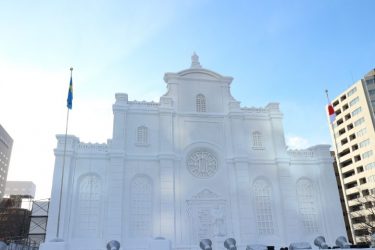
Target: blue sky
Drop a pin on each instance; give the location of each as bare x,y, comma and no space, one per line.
277,51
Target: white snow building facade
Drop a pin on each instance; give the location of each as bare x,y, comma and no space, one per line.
195,165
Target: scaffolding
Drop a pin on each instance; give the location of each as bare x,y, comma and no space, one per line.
38,221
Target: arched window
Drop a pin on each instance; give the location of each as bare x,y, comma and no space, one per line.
307,205
141,207
142,135
263,207
201,103
257,139
88,207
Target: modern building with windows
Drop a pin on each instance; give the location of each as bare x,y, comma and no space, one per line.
353,134
194,165
6,143
23,189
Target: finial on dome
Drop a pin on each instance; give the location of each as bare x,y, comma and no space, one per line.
195,61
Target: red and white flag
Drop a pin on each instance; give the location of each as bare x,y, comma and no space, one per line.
331,113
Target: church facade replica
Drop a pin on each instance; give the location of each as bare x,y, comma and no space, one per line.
194,166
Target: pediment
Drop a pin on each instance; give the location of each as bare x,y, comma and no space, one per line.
206,194
200,74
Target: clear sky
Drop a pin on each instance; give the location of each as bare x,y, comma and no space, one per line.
277,51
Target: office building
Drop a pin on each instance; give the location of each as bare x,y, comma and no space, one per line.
24,189
6,143
354,139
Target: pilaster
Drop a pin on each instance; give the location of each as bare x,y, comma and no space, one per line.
115,195
167,187
245,216
288,202
167,203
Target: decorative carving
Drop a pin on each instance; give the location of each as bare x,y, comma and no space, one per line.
207,213
200,102
195,64
206,194
144,103
202,164
92,147
218,221
301,154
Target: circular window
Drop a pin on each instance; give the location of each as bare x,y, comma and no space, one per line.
202,164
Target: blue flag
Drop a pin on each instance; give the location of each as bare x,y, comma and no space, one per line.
70,94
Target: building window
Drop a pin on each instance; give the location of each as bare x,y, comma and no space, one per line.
356,111
371,92
142,135
307,205
352,91
361,132
359,121
201,103
370,166
364,143
354,101
371,178
88,207
263,207
367,154
141,207
257,140
202,163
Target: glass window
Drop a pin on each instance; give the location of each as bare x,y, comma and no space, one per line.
201,103
370,166
361,132
371,91
263,207
359,121
370,81
367,154
354,101
356,111
352,91
371,178
364,143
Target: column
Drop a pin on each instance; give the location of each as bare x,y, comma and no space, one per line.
167,187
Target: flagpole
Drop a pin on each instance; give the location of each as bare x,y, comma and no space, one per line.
63,165
333,132
334,137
